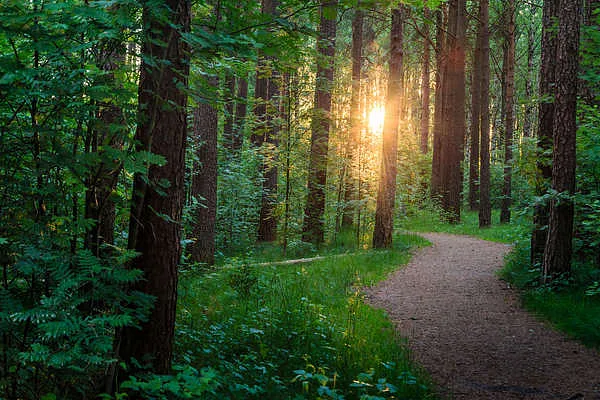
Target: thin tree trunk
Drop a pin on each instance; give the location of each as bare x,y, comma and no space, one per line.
241,109
485,206
509,124
425,83
475,123
559,244
528,130
204,182
545,126
313,227
266,92
157,215
110,131
386,195
350,195
228,127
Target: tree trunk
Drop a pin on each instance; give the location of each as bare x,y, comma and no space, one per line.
266,92
351,195
475,123
528,130
485,206
156,215
425,83
509,124
438,117
386,195
545,126
559,244
241,108
454,118
204,182
313,227
228,128
110,132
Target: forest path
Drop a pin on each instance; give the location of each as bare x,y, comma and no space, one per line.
465,326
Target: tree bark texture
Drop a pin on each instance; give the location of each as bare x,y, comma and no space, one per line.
204,182
485,205
509,113
351,195
454,114
158,209
386,195
475,129
313,226
545,126
425,91
559,243
438,117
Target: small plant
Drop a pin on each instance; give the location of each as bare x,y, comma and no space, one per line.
244,280
593,289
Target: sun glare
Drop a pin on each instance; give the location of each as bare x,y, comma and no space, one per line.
376,118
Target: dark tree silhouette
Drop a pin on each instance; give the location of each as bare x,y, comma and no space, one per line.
155,230
386,195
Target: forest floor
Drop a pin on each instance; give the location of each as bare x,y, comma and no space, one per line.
467,328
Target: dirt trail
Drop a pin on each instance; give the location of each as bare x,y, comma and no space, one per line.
466,328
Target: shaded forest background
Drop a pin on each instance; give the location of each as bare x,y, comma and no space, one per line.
144,139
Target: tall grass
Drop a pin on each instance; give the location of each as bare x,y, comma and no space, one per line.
294,332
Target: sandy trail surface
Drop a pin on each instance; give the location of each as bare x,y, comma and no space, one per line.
466,327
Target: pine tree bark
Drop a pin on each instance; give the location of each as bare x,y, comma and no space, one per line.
545,126
351,195
559,243
509,122
204,182
313,230
425,90
386,195
475,129
454,118
528,130
438,118
485,205
156,216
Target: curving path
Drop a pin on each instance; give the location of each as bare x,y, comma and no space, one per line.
466,328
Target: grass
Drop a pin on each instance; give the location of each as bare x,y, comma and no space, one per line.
565,304
429,221
296,332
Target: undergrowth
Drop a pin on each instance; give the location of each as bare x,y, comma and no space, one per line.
298,332
571,305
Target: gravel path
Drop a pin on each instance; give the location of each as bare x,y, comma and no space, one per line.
466,328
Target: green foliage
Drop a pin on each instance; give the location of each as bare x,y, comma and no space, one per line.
59,314
305,333
571,305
